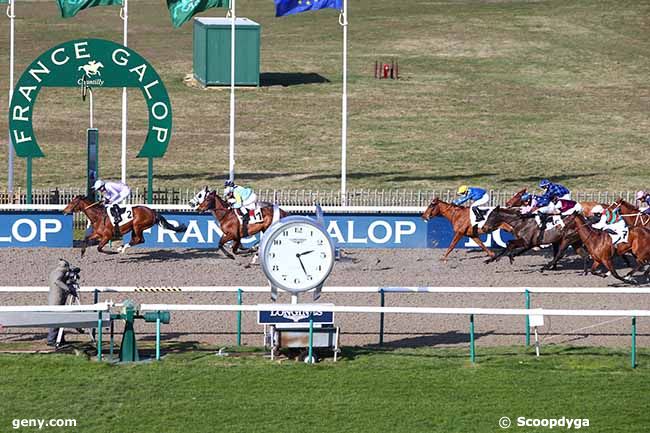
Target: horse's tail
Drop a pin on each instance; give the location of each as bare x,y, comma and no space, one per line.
166,224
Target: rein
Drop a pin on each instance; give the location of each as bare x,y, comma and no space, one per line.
91,205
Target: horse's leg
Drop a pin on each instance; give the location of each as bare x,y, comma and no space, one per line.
482,245
222,242
102,244
84,243
457,236
609,264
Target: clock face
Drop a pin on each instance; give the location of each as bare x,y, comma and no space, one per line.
298,256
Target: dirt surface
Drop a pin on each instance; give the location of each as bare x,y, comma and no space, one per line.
142,267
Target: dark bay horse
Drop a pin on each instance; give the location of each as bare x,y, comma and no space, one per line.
526,232
143,218
598,243
230,225
458,216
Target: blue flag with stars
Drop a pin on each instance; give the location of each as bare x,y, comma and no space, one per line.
288,7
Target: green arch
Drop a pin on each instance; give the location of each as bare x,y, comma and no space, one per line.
104,64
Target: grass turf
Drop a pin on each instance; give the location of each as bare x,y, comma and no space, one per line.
494,93
405,390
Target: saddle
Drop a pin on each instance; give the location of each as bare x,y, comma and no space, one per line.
485,213
256,217
125,212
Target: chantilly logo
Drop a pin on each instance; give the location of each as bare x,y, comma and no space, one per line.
91,69
296,316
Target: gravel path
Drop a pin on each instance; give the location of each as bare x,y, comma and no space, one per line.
142,267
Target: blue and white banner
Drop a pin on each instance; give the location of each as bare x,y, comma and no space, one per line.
276,315
38,229
52,229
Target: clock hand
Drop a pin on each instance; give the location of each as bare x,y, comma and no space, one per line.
305,253
301,264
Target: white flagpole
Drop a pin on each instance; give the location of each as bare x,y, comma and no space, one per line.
343,20
125,17
232,92
10,151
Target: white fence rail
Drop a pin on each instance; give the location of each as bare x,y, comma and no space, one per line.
342,289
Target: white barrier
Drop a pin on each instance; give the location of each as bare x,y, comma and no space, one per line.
186,208
336,289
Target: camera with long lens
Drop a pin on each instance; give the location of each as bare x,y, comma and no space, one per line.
72,280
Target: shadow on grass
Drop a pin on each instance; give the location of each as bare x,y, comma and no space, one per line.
559,178
286,79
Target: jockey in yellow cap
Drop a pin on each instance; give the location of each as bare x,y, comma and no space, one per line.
478,195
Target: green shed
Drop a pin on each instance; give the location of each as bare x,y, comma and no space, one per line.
211,57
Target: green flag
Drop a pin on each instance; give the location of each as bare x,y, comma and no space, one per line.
70,8
181,11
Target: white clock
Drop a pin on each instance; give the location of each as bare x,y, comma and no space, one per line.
297,255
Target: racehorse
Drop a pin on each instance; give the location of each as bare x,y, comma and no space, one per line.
515,200
143,218
598,243
232,229
631,214
587,206
526,232
458,216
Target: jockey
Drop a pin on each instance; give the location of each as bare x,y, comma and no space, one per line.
556,206
528,201
114,193
478,195
610,221
644,201
554,190
241,198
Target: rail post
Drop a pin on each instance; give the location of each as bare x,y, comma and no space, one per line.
634,342
99,337
382,302
527,293
239,313
310,353
472,353
158,336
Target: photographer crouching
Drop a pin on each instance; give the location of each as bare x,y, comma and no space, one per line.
64,282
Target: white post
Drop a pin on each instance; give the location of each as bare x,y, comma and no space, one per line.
232,92
125,17
10,150
90,95
343,20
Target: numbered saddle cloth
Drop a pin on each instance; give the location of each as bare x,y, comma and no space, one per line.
257,216
554,221
618,232
126,212
485,211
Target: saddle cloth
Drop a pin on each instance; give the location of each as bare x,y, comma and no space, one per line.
619,237
486,213
126,212
256,218
556,220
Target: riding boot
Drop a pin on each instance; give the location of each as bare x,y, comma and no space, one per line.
244,219
115,210
542,219
478,214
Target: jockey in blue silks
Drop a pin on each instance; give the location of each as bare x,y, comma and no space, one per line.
478,195
554,190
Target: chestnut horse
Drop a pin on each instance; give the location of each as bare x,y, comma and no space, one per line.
515,200
631,214
232,229
458,216
143,218
598,243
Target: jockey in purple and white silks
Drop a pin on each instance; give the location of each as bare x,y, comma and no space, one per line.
113,193
643,198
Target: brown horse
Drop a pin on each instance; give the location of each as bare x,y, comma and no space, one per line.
143,218
598,243
232,229
631,214
458,216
